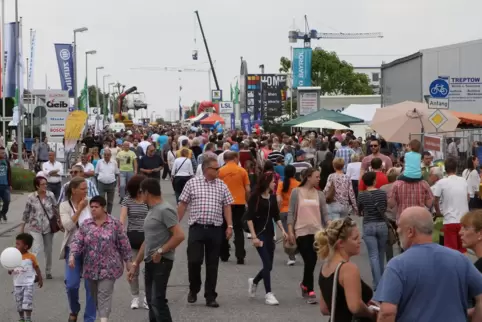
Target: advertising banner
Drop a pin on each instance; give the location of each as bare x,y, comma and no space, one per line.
10,52
64,53
57,106
31,65
226,107
246,122
265,95
233,121
301,67
227,121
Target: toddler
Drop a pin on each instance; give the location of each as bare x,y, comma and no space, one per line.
24,277
413,160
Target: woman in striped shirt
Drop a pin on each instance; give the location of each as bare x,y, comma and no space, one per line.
133,213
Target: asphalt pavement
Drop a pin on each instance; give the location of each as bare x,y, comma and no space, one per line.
50,302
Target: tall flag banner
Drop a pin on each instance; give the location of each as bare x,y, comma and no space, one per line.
33,42
64,53
84,97
19,83
301,67
231,97
233,121
246,122
10,52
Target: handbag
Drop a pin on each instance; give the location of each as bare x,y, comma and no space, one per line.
244,219
292,249
334,291
392,233
55,225
330,194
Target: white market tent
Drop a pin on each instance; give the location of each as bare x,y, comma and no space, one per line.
365,112
323,124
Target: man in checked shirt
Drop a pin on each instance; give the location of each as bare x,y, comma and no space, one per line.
209,198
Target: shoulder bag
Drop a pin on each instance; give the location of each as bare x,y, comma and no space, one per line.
334,291
392,232
54,223
330,193
292,249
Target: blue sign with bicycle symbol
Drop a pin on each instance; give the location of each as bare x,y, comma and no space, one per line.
439,88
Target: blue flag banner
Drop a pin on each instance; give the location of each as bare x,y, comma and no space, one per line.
246,122
233,119
301,67
65,61
10,52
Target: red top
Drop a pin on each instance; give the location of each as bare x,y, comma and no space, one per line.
244,156
380,181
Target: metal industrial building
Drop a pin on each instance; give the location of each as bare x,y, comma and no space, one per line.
409,78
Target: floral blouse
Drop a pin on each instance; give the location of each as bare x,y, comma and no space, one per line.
34,214
104,249
344,193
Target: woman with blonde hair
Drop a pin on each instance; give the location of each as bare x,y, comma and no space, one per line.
471,234
336,244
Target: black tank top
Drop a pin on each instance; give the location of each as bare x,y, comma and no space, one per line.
342,313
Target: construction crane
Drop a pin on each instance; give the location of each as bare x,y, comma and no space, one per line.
309,34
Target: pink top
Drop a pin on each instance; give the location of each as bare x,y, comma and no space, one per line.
308,217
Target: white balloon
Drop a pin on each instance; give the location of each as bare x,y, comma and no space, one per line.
11,258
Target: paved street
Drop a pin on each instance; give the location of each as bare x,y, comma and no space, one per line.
51,304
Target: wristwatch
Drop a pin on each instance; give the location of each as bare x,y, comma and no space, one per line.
230,226
159,251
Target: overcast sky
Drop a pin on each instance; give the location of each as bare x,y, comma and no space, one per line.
157,33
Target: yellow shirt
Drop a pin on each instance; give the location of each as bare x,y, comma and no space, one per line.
126,160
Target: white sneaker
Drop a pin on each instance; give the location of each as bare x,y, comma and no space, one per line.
248,235
252,288
144,304
291,262
270,299
135,303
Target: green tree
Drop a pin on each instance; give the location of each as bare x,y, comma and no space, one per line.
160,120
334,76
93,99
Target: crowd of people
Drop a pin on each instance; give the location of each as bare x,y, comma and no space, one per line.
302,190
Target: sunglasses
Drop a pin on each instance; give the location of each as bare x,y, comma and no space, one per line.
347,222
374,146
214,168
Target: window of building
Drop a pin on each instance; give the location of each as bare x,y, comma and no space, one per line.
375,77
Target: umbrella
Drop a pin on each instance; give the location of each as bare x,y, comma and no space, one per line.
396,122
323,124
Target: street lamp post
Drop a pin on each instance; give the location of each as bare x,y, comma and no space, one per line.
83,29
108,96
87,53
97,101
104,98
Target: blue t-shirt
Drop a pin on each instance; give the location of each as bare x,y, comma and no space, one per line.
161,140
413,167
280,169
3,173
119,141
429,282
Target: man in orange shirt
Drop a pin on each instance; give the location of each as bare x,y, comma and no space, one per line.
236,178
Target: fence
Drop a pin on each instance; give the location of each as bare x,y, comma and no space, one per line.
464,141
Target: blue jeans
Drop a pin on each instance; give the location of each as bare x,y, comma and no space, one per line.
375,235
336,211
72,284
124,176
5,196
266,252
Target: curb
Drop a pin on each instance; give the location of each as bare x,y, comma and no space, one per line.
6,230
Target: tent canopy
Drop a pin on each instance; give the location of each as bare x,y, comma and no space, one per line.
324,115
323,124
468,118
362,111
213,119
199,118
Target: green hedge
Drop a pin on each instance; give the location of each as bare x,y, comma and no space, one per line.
22,179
